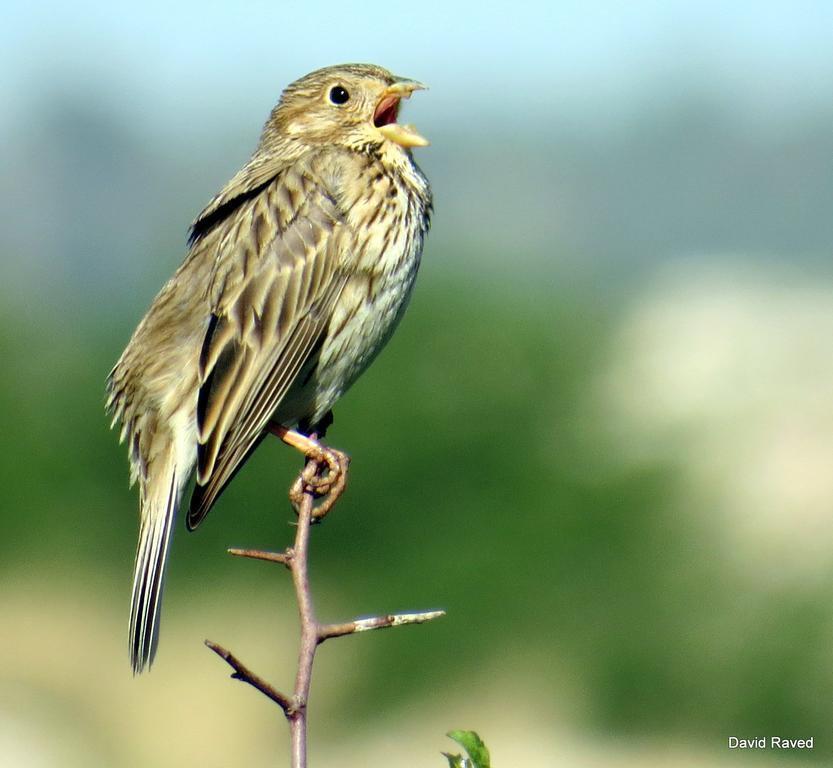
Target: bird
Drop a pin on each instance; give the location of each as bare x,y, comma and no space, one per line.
296,274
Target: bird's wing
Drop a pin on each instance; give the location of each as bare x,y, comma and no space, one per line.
272,291
247,183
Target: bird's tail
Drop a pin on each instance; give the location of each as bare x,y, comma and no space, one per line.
160,500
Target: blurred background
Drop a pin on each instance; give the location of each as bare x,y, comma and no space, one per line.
601,439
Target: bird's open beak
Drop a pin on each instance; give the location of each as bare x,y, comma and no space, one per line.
387,110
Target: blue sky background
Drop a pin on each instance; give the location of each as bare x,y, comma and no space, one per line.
593,61
582,136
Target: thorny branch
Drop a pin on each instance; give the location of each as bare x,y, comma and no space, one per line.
313,633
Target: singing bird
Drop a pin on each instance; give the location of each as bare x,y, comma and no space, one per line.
296,276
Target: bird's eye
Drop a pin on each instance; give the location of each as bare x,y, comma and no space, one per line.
339,95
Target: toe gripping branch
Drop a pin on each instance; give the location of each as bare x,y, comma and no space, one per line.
324,475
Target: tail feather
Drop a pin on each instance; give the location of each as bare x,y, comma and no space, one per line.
157,518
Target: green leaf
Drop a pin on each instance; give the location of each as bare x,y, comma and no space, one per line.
474,746
456,761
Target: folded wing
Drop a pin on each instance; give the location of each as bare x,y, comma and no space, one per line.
272,293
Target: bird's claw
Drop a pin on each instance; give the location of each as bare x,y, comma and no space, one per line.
324,476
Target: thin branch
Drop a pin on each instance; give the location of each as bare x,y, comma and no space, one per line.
295,559
259,554
326,631
244,674
302,494
309,632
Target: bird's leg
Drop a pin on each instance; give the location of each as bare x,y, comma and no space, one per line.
330,484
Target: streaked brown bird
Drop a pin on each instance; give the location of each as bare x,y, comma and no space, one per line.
297,273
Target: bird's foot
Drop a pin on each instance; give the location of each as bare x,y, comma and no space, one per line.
324,475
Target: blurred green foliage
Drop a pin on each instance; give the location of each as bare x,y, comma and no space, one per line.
482,481
478,485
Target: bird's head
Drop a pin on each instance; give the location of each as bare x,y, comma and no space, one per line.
352,105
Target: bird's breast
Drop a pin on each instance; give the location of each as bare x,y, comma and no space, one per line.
381,270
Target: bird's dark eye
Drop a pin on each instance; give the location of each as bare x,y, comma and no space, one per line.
339,95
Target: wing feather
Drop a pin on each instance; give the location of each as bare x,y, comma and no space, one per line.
273,295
